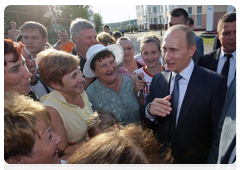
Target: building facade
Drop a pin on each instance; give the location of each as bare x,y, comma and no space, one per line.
155,17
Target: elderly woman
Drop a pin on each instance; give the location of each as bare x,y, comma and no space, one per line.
28,136
16,74
122,145
129,65
68,104
105,39
111,91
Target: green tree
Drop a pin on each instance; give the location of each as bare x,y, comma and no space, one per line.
67,13
98,22
23,13
123,24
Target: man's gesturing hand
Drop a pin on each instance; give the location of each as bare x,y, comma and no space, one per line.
160,107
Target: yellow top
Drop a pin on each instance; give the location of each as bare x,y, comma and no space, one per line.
74,118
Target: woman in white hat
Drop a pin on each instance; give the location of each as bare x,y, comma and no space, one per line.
111,91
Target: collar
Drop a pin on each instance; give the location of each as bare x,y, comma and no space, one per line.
222,54
187,72
56,95
74,52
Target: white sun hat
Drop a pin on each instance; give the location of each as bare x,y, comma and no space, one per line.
115,49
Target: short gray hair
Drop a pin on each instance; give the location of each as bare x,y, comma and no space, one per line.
78,24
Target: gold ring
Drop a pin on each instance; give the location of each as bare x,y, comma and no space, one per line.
157,108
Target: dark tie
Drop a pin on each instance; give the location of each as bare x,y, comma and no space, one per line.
226,65
174,104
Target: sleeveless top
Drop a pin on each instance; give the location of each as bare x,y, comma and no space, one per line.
74,118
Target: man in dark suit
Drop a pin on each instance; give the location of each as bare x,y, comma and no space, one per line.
180,16
187,120
223,60
199,40
224,145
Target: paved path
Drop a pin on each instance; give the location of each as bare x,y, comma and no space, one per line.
135,36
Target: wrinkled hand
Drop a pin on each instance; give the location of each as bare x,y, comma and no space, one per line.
134,77
161,107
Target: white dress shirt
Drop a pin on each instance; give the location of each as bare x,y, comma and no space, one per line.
183,84
232,66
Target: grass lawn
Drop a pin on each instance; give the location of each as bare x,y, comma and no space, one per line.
208,41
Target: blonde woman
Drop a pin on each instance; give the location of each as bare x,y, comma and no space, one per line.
105,39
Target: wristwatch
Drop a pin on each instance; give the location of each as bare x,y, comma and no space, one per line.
148,109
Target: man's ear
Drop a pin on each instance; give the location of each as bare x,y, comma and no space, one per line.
74,37
54,85
192,50
218,34
15,163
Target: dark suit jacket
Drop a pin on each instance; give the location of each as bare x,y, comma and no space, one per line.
199,114
216,43
196,56
210,61
225,138
200,46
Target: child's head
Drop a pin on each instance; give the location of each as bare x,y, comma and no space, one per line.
98,122
148,38
130,144
150,47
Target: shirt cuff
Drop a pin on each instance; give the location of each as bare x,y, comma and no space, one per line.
147,115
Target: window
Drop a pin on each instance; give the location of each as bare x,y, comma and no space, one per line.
151,21
199,16
161,8
154,9
155,20
150,10
190,12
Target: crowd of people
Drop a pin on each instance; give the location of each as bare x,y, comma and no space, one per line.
89,100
